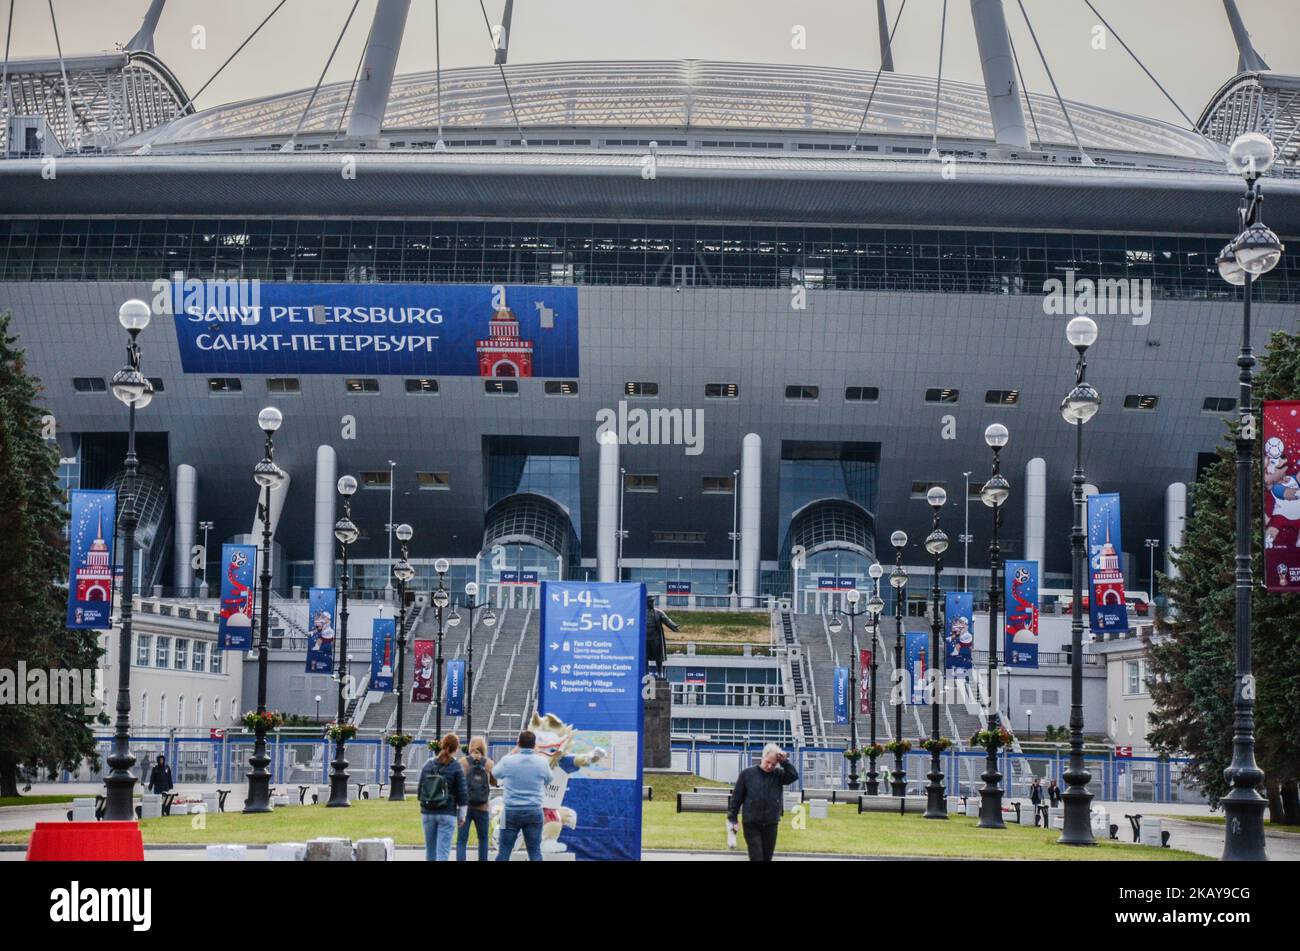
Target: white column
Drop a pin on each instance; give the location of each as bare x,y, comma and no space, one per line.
607,508
187,488
1175,523
327,474
1035,508
376,79
751,516
1000,82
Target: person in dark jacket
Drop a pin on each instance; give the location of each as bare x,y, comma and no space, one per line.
160,777
441,819
1054,794
758,796
1036,797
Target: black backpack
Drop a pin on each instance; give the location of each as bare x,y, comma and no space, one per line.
478,783
435,792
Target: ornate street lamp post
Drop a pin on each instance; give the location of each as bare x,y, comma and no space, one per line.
268,477
993,494
836,625
875,605
489,620
898,581
346,531
1079,406
936,543
1252,254
134,389
403,571
441,598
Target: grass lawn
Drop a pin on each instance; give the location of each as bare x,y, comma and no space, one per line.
719,626
844,832
32,800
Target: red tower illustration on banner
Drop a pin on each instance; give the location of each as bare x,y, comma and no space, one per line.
1108,580
504,353
95,577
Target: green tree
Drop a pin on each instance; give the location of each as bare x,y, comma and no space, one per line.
1192,659
33,569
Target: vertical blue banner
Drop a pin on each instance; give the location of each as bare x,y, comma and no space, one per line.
1020,646
321,603
916,649
383,653
959,629
590,710
454,690
841,695
1107,603
90,559
235,630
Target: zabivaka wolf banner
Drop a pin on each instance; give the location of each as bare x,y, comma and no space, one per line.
235,629
321,603
959,629
1281,495
589,719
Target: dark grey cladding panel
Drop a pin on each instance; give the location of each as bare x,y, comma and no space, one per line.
901,343
979,196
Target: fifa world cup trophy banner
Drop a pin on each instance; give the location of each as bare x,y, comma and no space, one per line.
589,717
1281,495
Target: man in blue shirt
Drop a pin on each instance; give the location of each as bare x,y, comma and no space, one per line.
524,774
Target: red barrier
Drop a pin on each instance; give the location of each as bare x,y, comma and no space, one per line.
86,842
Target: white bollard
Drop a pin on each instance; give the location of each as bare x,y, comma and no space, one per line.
150,806
83,810
225,853
817,809
286,852
972,808
210,802
1149,831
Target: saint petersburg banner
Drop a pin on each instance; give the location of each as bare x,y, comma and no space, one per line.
1107,604
90,557
383,653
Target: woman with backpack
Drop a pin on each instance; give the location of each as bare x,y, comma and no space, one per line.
478,780
443,799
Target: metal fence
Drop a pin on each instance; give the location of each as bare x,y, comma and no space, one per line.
305,760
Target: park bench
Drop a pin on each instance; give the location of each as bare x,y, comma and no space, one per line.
713,790
911,804
701,802
302,795
221,799
847,795
827,794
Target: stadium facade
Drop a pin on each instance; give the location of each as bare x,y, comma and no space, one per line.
817,297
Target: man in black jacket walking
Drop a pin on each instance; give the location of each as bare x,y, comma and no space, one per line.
758,795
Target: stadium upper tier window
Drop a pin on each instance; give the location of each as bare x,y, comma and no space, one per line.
625,253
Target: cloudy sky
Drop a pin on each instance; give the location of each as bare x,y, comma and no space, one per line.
1186,43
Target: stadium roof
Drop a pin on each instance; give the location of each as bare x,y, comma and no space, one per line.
1258,101
678,95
